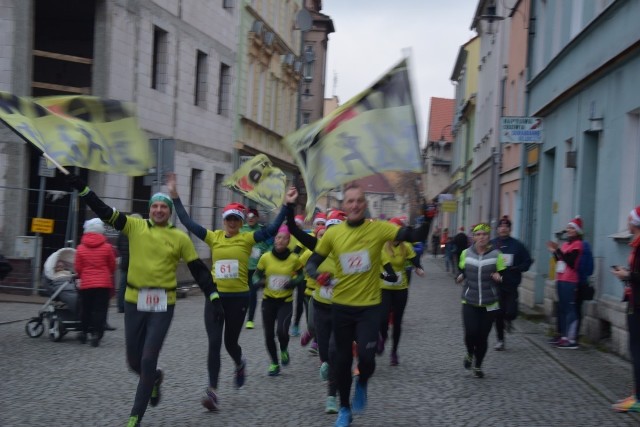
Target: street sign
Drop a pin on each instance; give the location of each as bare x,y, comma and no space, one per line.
449,206
518,130
42,225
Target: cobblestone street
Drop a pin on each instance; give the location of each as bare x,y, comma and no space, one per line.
45,383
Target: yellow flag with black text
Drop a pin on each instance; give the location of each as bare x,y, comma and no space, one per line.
260,181
86,131
373,132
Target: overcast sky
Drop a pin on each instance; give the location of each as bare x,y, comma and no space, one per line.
371,35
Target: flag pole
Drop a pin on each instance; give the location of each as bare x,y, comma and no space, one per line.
56,164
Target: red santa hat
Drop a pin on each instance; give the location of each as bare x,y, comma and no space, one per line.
320,217
576,223
397,221
236,209
634,216
299,219
335,217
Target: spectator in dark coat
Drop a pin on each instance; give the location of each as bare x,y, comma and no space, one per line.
461,241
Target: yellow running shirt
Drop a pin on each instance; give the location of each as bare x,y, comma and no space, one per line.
154,253
230,260
398,263
357,251
277,272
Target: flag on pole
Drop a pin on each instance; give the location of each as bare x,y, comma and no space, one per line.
260,181
373,132
85,131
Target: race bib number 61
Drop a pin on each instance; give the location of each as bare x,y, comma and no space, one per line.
355,262
227,269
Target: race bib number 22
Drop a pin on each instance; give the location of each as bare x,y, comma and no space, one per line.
355,262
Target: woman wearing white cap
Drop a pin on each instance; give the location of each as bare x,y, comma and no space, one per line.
95,263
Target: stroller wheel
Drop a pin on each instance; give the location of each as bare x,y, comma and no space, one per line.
56,330
34,327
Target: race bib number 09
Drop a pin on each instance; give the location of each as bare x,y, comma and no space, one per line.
153,300
227,269
355,262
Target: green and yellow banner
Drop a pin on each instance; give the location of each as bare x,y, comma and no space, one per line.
260,181
89,132
373,132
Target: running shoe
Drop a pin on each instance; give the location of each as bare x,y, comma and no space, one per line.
567,345
477,372
344,418
240,373
554,340
332,406
294,331
305,338
359,402
629,404
249,324
467,361
155,393
210,400
274,370
394,359
324,372
284,357
313,349
134,421
499,346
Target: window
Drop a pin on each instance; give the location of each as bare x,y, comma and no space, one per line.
630,146
250,79
200,87
309,58
261,93
160,65
224,90
306,118
228,4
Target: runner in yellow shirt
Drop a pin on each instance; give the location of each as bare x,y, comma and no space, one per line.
155,248
279,271
357,247
230,251
395,293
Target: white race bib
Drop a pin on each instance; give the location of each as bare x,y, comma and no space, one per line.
227,269
154,300
355,262
561,266
397,282
277,282
508,259
326,292
255,252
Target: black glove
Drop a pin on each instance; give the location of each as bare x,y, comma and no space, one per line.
218,311
76,182
391,278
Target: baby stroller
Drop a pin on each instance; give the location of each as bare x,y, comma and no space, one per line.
61,312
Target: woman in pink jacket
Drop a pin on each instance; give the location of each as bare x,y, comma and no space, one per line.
95,265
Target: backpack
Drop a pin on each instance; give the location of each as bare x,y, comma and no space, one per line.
585,263
586,292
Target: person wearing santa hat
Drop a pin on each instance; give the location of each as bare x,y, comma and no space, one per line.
630,277
279,271
567,257
230,252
